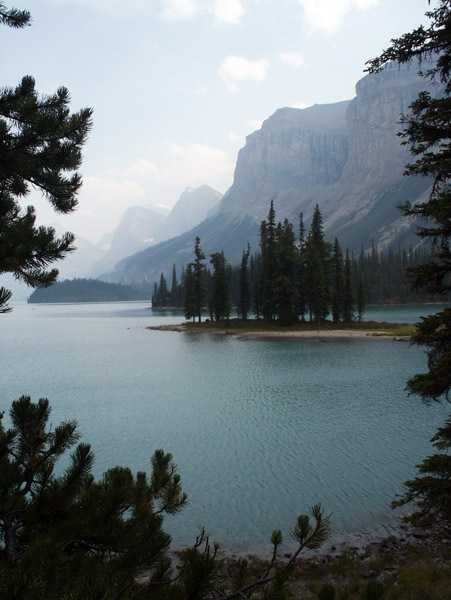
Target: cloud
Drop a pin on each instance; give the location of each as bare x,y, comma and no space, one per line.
228,11
194,163
223,11
293,59
235,70
181,9
116,8
201,91
178,164
327,16
109,191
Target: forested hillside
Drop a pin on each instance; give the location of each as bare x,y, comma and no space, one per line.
86,290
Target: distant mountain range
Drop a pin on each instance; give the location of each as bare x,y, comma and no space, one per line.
347,157
140,227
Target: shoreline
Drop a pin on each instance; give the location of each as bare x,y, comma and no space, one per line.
412,548
309,334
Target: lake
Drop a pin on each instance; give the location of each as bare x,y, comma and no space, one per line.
260,429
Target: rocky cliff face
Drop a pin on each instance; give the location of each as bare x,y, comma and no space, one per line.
292,155
346,157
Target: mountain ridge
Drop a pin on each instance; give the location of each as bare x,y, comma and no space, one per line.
345,156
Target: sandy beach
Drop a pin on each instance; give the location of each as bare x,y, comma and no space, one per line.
312,334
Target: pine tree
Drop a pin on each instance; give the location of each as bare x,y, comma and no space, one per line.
40,142
219,297
69,535
173,297
361,298
317,253
317,286
337,282
285,273
268,265
431,491
245,296
348,296
256,284
301,272
189,300
14,17
198,279
163,293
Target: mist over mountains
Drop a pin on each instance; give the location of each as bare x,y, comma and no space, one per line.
346,157
140,227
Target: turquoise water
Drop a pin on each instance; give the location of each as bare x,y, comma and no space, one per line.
260,429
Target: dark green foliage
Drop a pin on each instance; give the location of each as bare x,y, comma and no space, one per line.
256,284
161,296
219,297
69,533
384,275
434,331
86,290
268,265
348,295
312,536
40,141
374,590
337,282
361,298
14,17
431,491
285,285
175,297
199,572
189,301
199,281
327,592
301,274
317,253
245,294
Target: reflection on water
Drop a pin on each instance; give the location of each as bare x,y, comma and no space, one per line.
260,429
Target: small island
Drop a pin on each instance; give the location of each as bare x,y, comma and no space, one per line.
327,329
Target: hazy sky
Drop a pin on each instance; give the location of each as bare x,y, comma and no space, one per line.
176,85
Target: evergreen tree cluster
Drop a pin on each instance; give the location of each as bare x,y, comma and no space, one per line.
165,297
294,278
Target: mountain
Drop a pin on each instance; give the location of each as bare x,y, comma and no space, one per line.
138,229
191,209
142,227
79,262
346,157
